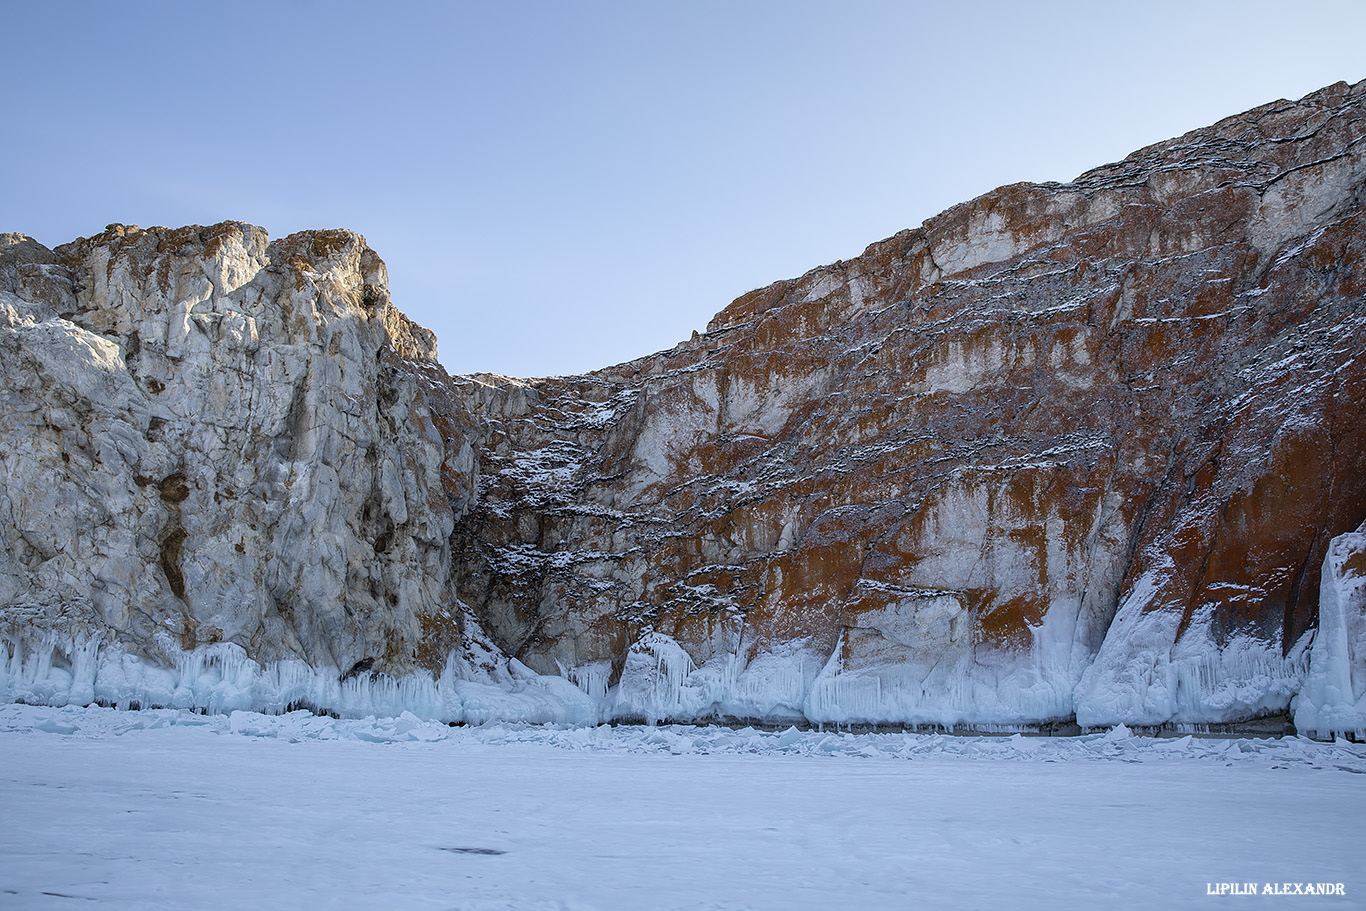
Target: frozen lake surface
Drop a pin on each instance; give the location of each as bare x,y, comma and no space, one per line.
167,809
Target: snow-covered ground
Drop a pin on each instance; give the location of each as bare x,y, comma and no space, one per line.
168,809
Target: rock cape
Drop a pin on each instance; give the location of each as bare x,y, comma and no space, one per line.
1087,451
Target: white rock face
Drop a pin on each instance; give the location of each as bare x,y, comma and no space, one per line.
205,438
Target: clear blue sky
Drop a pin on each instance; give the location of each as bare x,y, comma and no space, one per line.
562,186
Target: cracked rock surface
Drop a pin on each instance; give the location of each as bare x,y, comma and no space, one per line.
210,437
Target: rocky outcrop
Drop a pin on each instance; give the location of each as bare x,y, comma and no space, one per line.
207,437
1065,451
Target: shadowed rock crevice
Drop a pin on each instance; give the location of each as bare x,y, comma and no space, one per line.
172,553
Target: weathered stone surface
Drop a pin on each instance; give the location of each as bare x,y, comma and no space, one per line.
209,437
1066,450
947,463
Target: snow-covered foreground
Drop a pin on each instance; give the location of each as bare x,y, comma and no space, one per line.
168,809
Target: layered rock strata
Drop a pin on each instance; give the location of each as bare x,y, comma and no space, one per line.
1066,451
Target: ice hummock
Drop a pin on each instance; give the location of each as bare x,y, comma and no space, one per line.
95,723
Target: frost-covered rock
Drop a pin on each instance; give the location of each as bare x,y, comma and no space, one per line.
208,437
1064,451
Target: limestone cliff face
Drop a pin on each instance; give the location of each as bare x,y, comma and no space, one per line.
209,437
1064,451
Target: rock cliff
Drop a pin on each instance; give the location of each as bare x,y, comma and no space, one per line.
1066,451
212,438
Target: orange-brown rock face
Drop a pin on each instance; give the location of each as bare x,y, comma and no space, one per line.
1065,449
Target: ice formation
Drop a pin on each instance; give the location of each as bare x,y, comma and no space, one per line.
1334,694
660,683
221,679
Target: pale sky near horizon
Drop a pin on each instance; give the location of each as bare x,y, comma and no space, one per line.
557,187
